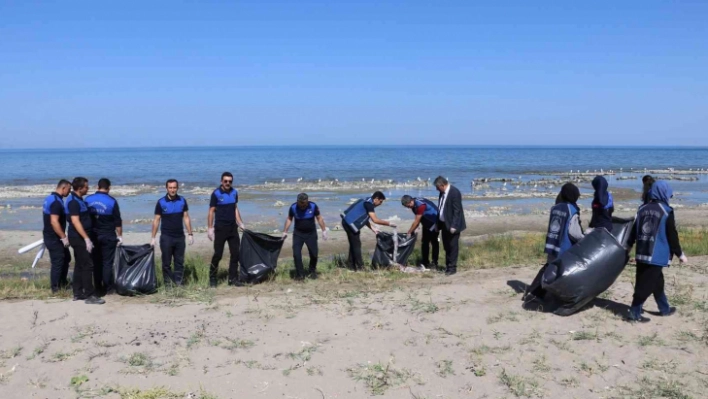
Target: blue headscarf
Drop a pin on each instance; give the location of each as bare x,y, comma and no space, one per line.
602,197
660,191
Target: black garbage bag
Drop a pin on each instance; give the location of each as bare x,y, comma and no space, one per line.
585,271
259,255
383,255
621,228
134,270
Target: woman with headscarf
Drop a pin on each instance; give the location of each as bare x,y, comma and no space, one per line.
657,243
602,205
647,182
564,230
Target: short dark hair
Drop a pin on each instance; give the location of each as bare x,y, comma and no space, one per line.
63,182
104,184
379,195
227,174
167,183
302,197
648,179
78,183
440,181
406,199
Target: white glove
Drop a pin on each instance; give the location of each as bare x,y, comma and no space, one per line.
683,258
589,230
152,242
375,230
392,225
242,227
89,245
453,230
120,241
210,234
325,235
65,241
285,235
190,239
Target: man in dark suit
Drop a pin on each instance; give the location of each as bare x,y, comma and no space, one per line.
451,222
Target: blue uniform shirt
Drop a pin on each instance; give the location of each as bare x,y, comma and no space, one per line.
53,205
225,204
105,213
76,206
171,211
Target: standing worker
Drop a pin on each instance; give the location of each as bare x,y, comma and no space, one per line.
170,212
54,234
361,213
451,221
602,205
305,232
79,228
106,235
224,221
657,242
426,214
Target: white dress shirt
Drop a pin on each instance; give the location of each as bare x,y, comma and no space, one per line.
441,205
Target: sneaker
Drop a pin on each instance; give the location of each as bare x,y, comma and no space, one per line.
641,319
94,300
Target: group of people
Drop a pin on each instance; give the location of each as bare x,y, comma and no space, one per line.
654,233
95,231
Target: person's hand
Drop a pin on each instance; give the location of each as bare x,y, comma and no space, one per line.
152,242
683,258
65,241
375,230
325,235
89,244
589,230
285,235
190,239
242,226
120,241
453,230
393,225
210,233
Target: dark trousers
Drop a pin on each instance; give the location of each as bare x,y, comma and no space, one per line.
649,281
222,235
354,260
59,256
309,239
430,238
103,257
172,248
451,243
83,269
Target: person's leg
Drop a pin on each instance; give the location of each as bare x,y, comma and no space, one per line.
644,286
660,296
436,249
535,289
56,258
97,260
298,242
220,236
313,250
167,249
64,277
351,237
234,251
454,251
83,269
178,248
446,245
425,247
356,252
108,252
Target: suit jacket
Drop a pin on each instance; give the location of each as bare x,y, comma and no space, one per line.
452,211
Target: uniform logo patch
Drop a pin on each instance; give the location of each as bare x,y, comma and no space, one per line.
647,228
555,225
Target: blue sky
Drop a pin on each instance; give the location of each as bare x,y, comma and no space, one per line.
93,74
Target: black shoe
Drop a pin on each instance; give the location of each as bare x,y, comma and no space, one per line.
212,283
94,300
641,319
313,275
237,283
671,311
79,298
450,272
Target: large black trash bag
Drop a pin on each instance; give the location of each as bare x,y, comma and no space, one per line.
585,271
621,228
259,255
383,255
134,270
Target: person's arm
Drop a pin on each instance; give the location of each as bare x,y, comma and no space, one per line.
673,237
632,238
56,210
187,222
288,221
373,218
575,231
239,222
321,222
74,213
155,225
456,211
415,224
118,220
